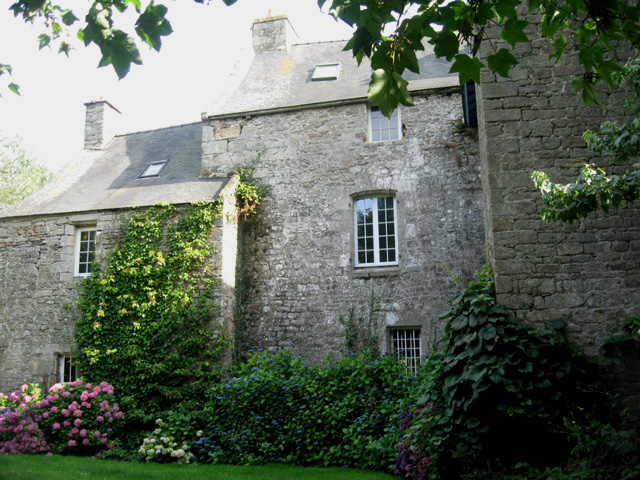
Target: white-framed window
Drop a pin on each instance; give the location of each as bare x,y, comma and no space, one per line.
382,128
67,369
376,231
405,343
85,250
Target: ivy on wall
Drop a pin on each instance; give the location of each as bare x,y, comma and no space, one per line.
146,319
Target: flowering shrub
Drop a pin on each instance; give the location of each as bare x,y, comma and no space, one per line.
159,448
74,418
19,431
276,409
412,462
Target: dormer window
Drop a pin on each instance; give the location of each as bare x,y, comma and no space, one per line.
326,71
154,169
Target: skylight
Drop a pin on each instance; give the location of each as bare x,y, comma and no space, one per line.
153,169
326,71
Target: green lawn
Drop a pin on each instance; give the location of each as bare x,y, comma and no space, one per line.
37,467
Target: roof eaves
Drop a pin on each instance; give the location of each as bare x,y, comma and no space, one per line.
429,90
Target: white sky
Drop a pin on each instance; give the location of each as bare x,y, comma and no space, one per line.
172,87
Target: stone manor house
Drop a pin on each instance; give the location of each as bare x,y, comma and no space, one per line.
366,217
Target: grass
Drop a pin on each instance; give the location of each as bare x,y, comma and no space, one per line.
56,467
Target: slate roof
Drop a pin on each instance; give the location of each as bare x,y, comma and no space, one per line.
277,80
108,179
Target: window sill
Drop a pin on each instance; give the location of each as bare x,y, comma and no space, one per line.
368,272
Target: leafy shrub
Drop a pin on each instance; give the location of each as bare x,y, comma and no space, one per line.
74,418
159,448
499,392
600,452
276,409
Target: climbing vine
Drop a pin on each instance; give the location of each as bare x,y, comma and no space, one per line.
147,319
146,323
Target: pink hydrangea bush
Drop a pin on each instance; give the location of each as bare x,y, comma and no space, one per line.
19,431
74,418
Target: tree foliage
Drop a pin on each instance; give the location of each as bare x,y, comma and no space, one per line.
450,26
101,25
20,173
594,189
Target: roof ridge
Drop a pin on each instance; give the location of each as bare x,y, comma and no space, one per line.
322,41
149,130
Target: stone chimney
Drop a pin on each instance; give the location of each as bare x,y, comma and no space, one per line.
99,125
272,34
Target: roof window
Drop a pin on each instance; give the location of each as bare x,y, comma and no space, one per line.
326,71
154,169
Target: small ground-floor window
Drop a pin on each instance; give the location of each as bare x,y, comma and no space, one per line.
67,369
405,343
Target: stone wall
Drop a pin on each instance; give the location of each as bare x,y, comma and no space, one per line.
38,292
298,276
587,272
37,309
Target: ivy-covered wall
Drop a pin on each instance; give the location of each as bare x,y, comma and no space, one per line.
39,290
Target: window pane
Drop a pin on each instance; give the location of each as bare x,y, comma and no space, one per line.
369,244
361,257
392,242
370,258
383,256
392,255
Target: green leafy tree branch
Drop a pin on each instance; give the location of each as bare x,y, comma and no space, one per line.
596,27
594,189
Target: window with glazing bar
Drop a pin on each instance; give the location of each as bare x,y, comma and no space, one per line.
405,343
382,128
85,251
376,237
